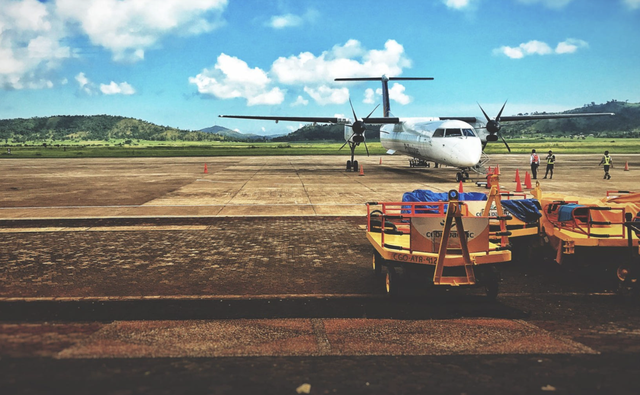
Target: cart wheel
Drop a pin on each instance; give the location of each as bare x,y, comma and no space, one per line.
377,263
392,282
491,289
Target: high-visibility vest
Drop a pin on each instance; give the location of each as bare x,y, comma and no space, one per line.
551,159
607,160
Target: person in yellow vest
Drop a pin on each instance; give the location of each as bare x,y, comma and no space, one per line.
607,162
535,162
551,160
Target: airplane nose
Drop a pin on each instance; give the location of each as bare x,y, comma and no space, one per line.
470,152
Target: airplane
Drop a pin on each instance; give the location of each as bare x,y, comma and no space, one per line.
453,141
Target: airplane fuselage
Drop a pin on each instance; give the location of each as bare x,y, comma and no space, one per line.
451,142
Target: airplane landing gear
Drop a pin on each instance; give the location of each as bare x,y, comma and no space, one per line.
352,164
462,175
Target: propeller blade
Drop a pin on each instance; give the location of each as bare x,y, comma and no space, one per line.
367,148
345,143
485,114
500,113
367,117
355,117
505,143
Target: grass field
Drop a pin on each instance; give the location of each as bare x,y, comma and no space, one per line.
101,149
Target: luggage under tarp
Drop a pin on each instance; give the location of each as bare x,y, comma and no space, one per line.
526,210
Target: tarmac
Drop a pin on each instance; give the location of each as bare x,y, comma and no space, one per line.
149,275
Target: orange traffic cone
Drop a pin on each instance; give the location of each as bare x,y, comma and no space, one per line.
527,180
380,160
626,166
518,187
205,169
517,176
489,171
361,170
460,190
497,170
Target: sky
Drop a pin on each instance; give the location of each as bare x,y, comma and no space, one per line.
181,63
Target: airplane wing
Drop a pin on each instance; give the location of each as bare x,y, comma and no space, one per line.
531,117
312,119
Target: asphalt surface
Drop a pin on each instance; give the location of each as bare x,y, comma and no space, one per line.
287,302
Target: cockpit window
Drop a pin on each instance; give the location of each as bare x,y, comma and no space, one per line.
438,133
454,133
468,132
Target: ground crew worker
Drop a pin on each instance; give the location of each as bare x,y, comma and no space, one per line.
535,162
551,160
607,162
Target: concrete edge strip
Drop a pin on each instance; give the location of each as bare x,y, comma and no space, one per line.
186,297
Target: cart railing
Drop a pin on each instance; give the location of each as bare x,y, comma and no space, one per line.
583,221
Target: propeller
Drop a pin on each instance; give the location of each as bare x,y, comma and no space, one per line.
358,127
493,126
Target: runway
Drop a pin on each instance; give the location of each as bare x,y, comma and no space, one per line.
151,276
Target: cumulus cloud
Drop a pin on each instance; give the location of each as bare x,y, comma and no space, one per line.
556,4
347,60
292,20
535,47
129,27
113,88
30,45
461,5
632,4
300,101
314,75
232,78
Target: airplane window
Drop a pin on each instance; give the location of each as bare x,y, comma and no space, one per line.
468,132
438,133
454,132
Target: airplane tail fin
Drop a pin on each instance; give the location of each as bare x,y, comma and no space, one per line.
385,87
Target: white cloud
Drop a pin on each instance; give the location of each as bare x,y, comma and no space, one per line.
300,101
232,78
396,93
456,4
30,44
535,47
324,95
114,88
556,4
348,60
291,20
570,46
632,4
129,27
369,96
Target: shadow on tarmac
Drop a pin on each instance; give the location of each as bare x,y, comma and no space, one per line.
452,306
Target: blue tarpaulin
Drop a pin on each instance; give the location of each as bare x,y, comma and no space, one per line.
566,210
423,195
526,210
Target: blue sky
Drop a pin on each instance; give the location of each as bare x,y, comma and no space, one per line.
181,63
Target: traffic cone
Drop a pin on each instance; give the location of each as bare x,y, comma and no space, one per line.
626,166
527,180
490,170
517,176
497,170
460,190
205,169
361,170
380,160
518,184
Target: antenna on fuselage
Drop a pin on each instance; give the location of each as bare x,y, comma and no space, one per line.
386,107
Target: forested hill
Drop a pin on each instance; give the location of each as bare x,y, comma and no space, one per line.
94,127
625,123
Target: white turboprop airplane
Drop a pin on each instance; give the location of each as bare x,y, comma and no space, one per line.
451,141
